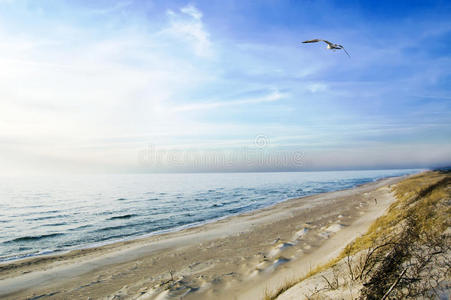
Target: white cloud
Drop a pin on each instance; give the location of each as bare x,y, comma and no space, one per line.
192,11
188,27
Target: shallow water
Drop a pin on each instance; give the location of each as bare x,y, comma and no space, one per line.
45,214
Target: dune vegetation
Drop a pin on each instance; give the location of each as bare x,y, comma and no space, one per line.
405,254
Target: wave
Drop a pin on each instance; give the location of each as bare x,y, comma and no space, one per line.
81,227
274,192
234,210
232,202
239,209
135,225
111,237
55,224
33,238
47,218
123,217
24,248
112,228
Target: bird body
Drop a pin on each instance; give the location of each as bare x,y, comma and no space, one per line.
330,46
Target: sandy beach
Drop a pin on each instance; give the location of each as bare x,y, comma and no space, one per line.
239,257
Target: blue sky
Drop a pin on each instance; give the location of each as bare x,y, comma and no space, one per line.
137,86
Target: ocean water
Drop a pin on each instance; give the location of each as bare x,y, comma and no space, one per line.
40,215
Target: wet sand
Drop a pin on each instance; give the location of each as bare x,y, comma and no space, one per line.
235,258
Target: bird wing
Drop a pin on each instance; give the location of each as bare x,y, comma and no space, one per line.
312,41
327,42
345,51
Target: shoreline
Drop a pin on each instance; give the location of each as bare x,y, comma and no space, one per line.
38,274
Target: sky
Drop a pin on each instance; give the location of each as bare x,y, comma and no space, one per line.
194,86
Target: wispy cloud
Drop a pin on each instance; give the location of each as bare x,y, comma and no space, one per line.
271,97
192,11
187,25
118,6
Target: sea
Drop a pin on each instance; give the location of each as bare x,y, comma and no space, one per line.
48,214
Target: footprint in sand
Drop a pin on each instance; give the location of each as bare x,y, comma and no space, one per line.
264,264
275,241
268,266
335,227
177,290
329,230
255,272
324,235
146,294
300,233
121,294
162,295
277,263
279,248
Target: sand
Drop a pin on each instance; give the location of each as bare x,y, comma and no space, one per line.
235,258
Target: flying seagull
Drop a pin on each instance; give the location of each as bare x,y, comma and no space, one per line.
330,45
